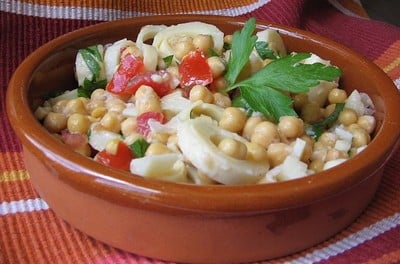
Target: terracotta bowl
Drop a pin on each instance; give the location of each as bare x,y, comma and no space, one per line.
188,223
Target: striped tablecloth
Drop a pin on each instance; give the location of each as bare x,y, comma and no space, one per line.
29,230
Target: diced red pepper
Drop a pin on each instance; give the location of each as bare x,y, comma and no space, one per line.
194,69
158,80
131,74
120,160
142,120
129,67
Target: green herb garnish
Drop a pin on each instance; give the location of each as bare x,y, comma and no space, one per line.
168,60
242,45
139,147
87,88
263,51
317,129
266,90
93,59
240,102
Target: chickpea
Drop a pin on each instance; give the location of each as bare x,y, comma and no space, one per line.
134,50
183,47
307,152
157,148
251,123
299,101
84,150
329,109
233,148
367,122
311,113
98,112
219,84
128,126
59,106
277,153
337,95
98,95
93,104
328,139
217,66
334,154
319,152
317,165
41,112
203,42
75,106
347,117
111,122
290,127
265,133
360,137
55,122
116,105
222,100
147,100
256,153
233,119
228,39
78,123
200,92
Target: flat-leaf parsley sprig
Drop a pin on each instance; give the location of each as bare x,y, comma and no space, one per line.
266,90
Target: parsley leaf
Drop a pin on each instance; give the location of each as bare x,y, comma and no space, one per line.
242,45
270,102
263,51
263,90
289,74
168,60
139,147
93,59
86,89
317,129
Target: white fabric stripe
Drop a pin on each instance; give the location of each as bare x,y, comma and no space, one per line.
342,9
350,242
22,206
397,83
71,12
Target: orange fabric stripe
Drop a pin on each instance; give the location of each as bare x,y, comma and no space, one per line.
354,7
35,237
392,257
10,161
150,6
389,61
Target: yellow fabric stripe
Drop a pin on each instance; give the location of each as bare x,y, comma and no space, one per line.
9,176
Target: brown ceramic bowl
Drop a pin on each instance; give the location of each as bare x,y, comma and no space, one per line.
189,223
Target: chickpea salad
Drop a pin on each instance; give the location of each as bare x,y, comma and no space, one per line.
188,103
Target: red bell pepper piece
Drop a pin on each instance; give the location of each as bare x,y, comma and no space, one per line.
142,120
129,67
131,74
194,69
120,160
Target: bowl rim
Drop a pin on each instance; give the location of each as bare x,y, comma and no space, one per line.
173,197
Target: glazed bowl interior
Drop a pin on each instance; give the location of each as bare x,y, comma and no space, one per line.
50,69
